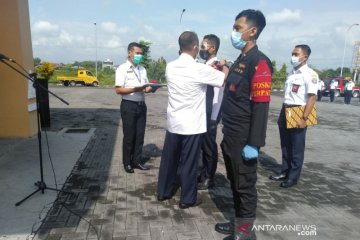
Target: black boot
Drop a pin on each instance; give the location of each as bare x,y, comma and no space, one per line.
225,228
243,230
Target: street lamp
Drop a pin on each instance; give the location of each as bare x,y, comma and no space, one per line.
96,73
342,64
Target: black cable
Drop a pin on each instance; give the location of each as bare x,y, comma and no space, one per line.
50,159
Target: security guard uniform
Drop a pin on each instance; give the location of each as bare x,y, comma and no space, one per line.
244,115
298,85
133,111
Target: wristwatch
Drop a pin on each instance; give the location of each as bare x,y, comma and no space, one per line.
305,118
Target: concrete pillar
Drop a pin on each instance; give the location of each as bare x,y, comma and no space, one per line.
17,96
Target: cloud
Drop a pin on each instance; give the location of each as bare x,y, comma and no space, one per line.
45,28
114,42
112,27
285,16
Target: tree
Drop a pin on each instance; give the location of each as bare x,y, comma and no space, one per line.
146,53
156,69
279,77
45,70
37,61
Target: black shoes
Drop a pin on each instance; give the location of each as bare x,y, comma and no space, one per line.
141,167
128,169
188,205
225,228
281,176
288,183
161,198
206,184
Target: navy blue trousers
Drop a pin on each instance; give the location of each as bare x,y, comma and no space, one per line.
292,147
180,156
209,152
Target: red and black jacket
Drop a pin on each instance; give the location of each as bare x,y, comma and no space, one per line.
246,99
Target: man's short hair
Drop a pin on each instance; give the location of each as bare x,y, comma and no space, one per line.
305,48
187,40
214,40
254,18
132,45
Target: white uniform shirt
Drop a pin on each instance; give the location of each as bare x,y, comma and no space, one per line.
187,80
128,76
299,84
321,85
333,84
218,95
349,86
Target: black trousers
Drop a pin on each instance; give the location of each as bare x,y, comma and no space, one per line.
242,176
133,116
332,95
180,152
319,95
347,96
209,151
292,143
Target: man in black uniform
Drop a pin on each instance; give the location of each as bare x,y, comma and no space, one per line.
244,114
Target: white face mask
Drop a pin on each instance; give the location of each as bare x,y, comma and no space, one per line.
295,61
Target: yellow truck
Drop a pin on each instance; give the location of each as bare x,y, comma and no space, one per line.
84,77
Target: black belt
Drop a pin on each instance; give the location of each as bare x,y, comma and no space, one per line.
140,103
290,105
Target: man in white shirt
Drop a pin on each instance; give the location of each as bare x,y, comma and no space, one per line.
333,85
349,86
208,50
300,90
186,120
130,82
321,87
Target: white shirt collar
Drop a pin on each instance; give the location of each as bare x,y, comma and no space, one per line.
301,69
130,65
211,60
186,57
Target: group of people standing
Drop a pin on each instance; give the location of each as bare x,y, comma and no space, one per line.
195,93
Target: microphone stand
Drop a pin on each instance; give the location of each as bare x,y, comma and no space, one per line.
32,77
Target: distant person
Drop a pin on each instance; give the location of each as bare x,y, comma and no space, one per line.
333,86
208,50
244,115
186,121
321,88
349,86
129,82
300,90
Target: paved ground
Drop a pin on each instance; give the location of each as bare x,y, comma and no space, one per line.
116,205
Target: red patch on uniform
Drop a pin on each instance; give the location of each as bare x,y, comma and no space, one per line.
261,83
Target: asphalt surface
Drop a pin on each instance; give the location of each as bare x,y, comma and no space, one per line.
108,203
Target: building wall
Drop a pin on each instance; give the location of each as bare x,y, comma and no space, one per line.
17,97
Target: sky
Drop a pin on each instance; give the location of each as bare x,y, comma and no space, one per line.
65,31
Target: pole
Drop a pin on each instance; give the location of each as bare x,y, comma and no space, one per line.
342,63
96,72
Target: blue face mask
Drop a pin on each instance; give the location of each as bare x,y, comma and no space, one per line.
236,40
295,61
137,58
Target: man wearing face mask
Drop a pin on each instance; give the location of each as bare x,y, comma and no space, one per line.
208,50
244,115
186,121
300,90
129,82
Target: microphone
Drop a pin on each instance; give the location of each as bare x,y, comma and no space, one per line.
2,56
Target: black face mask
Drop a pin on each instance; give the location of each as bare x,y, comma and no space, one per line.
204,54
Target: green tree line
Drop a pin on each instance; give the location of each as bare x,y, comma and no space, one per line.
156,69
